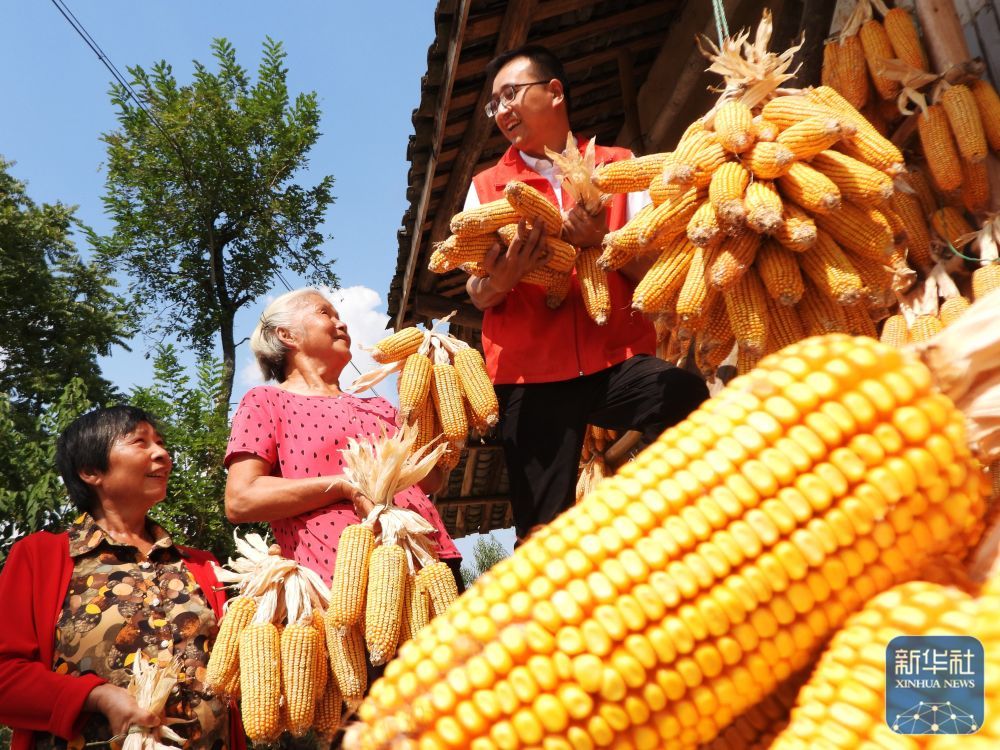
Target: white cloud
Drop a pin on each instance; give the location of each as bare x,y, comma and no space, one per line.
249,373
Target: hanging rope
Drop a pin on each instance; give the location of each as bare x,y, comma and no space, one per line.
721,25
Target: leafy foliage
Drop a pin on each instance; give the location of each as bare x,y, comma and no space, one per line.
57,314
206,211
196,435
487,552
32,496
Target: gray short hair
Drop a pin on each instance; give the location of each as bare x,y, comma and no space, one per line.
270,350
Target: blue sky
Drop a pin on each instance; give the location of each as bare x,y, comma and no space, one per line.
364,60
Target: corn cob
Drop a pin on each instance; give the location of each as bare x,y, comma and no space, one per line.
851,65
985,279
459,250
260,681
925,327
725,193
763,206
299,646
665,277
350,576
873,113
939,148
703,226
780,273
530,204
557,290
905,40
348,663
975,186
420,608
439,583
878,49
710,354
830,70
447,395
746,304
734,126
867,144
223,674
768,160
747,360
916,178
950,225
483,219
694,160
918,238
622,245
785,111
757,728
414,385
859,321
322,665
855,229
384,606
561,254
440,263
398,346
952,309
843,703
783,325
819,313
476,385
966,126
856,180
895,332
640,574
813,135
764,129
544,277
988,103
427,429
798,230
668,219
661,191
593,285
326,720
809,188
693,298
877,277
731,258
451,458
628,175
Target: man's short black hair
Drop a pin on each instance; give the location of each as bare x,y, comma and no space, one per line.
547,64
86,444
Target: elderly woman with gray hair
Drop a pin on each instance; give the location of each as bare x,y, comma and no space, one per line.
284,453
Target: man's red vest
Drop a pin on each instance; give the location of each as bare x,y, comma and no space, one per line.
526,342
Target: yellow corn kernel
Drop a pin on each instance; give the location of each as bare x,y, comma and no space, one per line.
785,111
975,186
867,144
895,331
350,576
299,646
764,129
398,346
905,40
384,605
830,270
819,313
668,219
731,258
439,583
734,126
780,273
985,279
878,49
949,224
783,326
746,303
856,180
622,245
476,385
348,663
854,229
925,327
810,189
963,118
695,160
593,285
798,230
223,674
414,385
530,204
830,70
763,206
725,193
260,681
628,175
483,219
952,309
693,298
768,160
703,226
813,135
851,64
939,147
447,396
988,103
918,238
665,277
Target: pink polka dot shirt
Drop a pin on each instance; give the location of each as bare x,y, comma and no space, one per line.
303,436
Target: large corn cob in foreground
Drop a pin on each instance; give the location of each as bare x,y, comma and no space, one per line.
683,590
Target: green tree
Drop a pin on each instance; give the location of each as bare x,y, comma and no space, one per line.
486,552
32,496
205,207
57,313
196,434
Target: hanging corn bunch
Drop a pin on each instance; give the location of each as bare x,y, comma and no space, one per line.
715,566
270,649
378,572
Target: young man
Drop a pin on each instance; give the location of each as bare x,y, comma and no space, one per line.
555,371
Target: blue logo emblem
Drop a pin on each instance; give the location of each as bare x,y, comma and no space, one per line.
934,684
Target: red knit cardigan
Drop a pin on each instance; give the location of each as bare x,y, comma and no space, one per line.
33,585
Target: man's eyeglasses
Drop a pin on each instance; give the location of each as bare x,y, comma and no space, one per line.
506,97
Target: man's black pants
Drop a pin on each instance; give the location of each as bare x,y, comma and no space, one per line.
542,426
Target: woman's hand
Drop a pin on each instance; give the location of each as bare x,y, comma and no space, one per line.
120,709
342,489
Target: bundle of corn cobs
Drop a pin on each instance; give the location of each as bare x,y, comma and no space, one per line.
387,580
593,467
690,587
271,648
443,387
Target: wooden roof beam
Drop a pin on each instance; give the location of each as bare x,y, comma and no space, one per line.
454,50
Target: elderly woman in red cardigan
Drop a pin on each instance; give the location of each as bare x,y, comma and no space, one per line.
79,604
